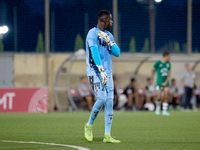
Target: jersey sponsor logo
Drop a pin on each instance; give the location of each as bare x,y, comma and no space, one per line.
164,72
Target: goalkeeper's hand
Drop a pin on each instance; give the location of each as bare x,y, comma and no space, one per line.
106,38
103,75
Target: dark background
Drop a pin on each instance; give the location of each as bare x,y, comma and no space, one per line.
170,18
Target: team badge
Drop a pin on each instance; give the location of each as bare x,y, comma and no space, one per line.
167,65
160,65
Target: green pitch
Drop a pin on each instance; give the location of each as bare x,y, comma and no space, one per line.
136,130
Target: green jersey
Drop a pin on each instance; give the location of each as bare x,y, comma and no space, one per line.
162,70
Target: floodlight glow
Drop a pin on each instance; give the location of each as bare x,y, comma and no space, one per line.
158,1
3,30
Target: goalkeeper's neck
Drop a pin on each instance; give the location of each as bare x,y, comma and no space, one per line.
101,26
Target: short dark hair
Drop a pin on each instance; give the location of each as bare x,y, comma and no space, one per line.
148,79
102,13
173,79
166,53
133,80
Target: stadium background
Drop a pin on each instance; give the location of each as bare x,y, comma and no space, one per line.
32,54
23,57
75,17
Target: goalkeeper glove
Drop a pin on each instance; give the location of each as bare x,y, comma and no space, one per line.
103,75
106,38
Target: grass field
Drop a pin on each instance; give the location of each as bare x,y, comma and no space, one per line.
136,130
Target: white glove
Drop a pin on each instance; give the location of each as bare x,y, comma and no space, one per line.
103,75
105,37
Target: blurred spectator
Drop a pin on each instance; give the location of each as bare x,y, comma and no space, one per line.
141,98
181,93
116,93
150,91
85,91
195,96
120,99
187,79
132,94
174,98
197,93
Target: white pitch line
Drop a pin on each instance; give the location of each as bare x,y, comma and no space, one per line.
31,142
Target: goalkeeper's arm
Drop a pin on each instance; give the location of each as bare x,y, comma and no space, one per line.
115,50
95,55
97,61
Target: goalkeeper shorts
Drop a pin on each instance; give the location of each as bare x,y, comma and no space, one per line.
100,91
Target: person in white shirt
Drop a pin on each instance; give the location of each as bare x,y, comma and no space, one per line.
85,91
187,79
150,91
173,94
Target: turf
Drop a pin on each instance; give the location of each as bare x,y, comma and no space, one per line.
136,130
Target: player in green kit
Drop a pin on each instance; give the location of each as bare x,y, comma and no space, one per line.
163,70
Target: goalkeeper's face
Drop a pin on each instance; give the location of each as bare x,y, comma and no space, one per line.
109,22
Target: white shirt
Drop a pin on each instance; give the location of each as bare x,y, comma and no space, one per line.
188,78
83,90
197,91
172,89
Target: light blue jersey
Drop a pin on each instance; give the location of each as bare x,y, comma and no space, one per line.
105,54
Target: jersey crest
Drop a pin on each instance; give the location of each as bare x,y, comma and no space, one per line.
167,65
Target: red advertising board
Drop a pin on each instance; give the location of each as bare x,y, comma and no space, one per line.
17,100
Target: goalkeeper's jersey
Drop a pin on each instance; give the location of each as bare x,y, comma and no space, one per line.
92,39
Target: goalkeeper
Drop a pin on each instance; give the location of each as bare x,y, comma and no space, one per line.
99,47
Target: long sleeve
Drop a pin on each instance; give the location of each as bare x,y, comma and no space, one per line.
115,50
95,55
